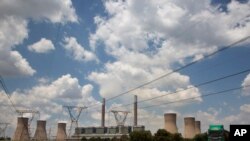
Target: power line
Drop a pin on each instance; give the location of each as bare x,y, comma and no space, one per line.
194,86
7,94
205,95
181,68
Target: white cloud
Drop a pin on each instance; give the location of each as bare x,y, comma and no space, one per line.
48,98
76,51
42,46
150,38
246,82
245,108
214,117
11,33
14,18
54,11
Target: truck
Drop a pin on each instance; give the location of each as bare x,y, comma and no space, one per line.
216,133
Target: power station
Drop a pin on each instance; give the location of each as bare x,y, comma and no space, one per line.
191,127
40,134
170,123
111,131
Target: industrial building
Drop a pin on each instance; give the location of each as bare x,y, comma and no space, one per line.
105,132
112,131
191,127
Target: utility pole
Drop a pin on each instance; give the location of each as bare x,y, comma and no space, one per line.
74,117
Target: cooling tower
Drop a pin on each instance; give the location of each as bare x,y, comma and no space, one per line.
40,134
189,129
197,127
61,132
170,122
21,133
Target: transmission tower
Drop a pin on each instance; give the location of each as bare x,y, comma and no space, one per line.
3,127
120,117
32,112
74,117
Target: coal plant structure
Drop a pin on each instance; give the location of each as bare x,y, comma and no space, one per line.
197,127
109,132
170,122
61,132
22,131
189,127
40,133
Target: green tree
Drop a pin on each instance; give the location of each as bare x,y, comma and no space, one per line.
162,135
124,138
201,137
141,136
83,139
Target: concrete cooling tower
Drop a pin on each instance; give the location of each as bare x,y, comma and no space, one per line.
170,122
40,134
22,132
189,129
61,132
197,127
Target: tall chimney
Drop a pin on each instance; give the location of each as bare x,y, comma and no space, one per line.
170,122
22,131
103,112
189,129
197,127
40,134
61,132
135,110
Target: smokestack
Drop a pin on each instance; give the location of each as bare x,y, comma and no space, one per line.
103,112
189,129
170,122
197,127
135,111
61,132
40,134
22,131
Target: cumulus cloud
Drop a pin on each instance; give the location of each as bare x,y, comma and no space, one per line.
14,18
246,82
54,11
11,33
42,46
214,116
76,51
48,98
163,34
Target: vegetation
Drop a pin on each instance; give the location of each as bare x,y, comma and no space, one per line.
140,136
160,135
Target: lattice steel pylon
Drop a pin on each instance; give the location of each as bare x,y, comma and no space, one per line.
3,127
74,118
120,116
27,111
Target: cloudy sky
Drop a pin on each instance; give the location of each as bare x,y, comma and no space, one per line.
64,52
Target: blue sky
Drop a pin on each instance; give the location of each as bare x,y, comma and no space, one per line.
76,52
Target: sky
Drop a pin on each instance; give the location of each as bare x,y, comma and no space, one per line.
76,52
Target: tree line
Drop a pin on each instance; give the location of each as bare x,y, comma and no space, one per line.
160,135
